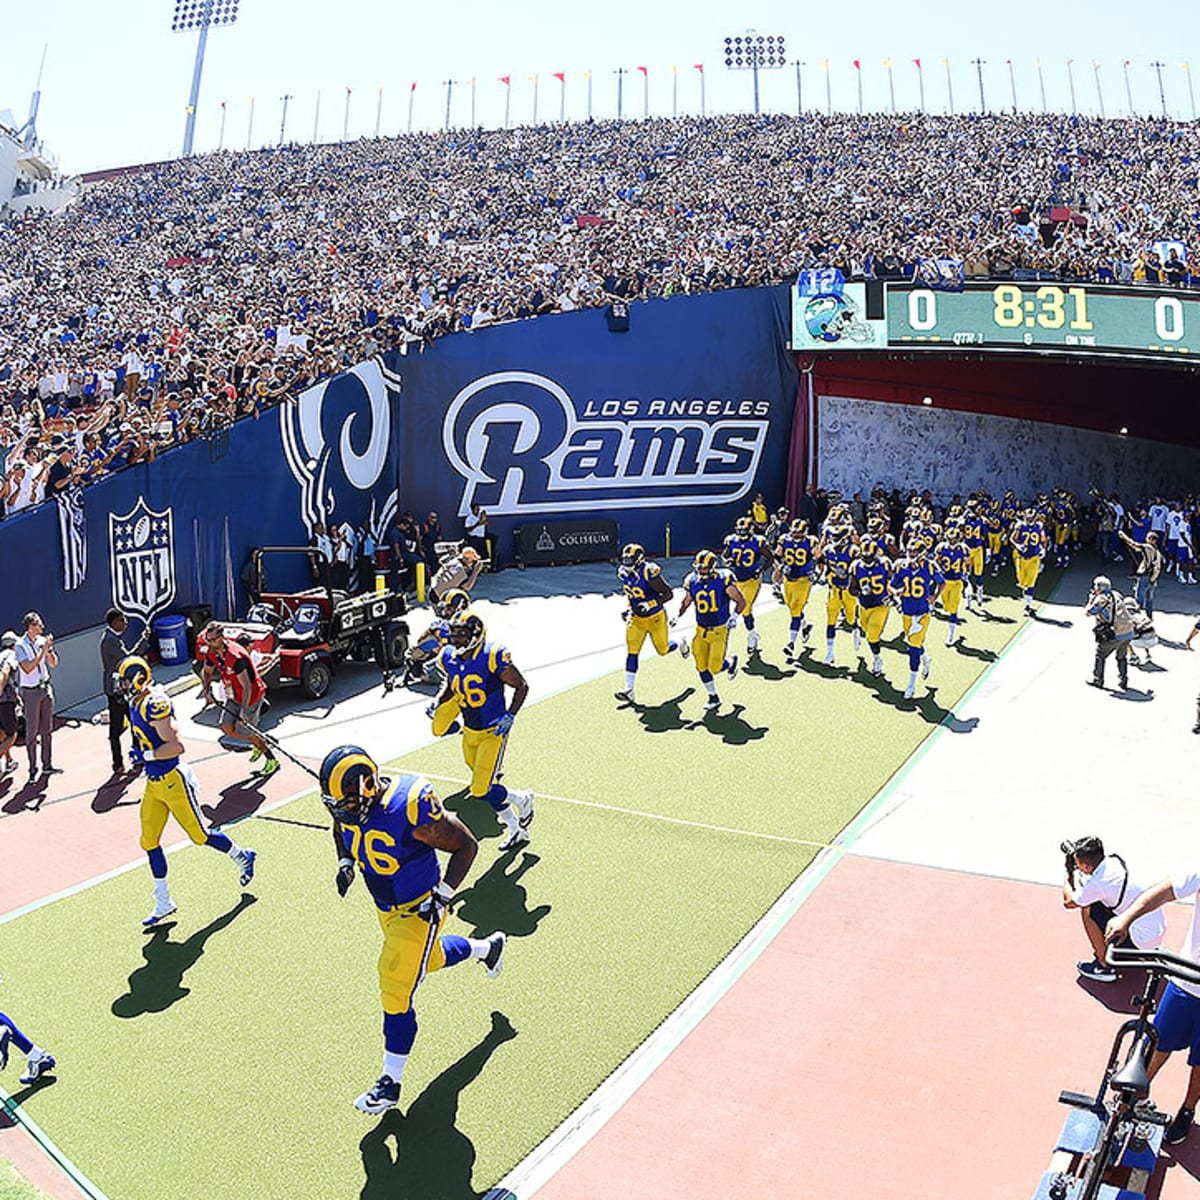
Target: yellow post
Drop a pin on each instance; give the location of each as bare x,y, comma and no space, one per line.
667,551
420,583
380,581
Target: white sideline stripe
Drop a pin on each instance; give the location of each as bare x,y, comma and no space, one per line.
76,888
547,1159
634,812
17,1114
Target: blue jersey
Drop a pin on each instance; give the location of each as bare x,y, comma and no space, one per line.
952,560
710,597
644,601
745,556
143,713
972,527
872,579
434,638
1027,538
476,683
396,868
838,561
916,582
795,555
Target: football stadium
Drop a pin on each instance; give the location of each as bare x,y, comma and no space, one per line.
667,581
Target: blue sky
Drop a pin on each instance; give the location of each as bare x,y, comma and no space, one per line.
117,79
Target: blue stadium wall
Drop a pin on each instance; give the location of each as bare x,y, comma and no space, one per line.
679,421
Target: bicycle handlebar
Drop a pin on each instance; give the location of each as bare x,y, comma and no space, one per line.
1160,962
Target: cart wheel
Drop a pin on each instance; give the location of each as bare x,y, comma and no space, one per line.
315,677
395,644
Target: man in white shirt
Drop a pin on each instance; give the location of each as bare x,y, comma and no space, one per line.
1100,886
35,658
1178,1016
132,362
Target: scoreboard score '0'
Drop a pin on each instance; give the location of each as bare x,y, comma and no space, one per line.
1036,317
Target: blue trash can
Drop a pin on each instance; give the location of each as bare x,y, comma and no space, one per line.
171,635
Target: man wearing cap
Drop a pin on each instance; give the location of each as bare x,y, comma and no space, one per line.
9,695
35,659
112,651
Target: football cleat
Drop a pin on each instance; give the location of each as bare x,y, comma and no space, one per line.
162,910
684,649
245,861
493,960
523,801
789,651
626,696
857,637
828,659
731,666
926,666
712,703
40,1063
877,665
910,691
806,631
384,1095
5,1039
951,637
513,840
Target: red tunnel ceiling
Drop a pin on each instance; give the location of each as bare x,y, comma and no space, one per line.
1157,403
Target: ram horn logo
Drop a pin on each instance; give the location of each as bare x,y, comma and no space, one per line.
141,558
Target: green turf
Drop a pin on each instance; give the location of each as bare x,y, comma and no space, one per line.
219,1057
14,1185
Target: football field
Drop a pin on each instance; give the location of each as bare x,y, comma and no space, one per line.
218,1056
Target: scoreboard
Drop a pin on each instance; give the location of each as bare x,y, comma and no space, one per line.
1033,317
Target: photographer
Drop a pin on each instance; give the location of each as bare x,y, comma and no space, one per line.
457,570
1149,568
1100,886
1113,630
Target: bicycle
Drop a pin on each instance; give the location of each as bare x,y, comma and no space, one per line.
1117,1143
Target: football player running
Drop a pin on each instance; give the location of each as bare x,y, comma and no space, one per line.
38,1062
838,552
647,593
870,577
711,588
1028,541
746,553
477,673
794,557
390,830
952,560
916,583
171,787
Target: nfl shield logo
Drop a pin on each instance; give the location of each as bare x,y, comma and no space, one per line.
141,555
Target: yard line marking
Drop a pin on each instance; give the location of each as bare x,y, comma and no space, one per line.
634,812
17,1114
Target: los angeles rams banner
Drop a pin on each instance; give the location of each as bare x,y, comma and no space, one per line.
679,421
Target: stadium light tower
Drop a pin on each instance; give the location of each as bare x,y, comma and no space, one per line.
755,53
202,15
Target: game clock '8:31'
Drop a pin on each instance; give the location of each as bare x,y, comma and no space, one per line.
1047,307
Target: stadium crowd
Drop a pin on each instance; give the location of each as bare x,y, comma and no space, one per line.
173,299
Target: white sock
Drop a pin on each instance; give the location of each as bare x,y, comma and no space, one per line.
478,949
162,892
710,686
829,645
393,1064
235,851
792,636
877,662
509,819
912,679
630,680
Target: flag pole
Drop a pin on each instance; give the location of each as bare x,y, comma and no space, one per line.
920,83
949,86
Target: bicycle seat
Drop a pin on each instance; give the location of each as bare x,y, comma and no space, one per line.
1131,1079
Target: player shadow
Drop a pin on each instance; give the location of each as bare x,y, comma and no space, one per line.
476,814
730,727
975,652
806,661
26,798
1042,619
1133,695
238,801
421,1154
498,899
925,706
16,1099
994,618
665,717
112,792
761,668
158,983
1149,665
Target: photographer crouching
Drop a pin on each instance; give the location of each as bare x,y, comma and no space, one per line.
1100,886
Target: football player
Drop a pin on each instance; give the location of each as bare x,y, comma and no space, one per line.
390,830
647,593
794,557
422,657
870,576
38,1062
837,552
747,554
994,520
171,787
916,583
951,559
712,589
477,673
1028,540
974,532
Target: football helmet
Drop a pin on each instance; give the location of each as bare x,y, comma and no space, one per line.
705,564
953,533
798,528
743,526
633,555
467,633
452,603
132,676
869,549
350,784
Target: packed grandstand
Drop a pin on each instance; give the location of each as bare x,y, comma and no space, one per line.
224,284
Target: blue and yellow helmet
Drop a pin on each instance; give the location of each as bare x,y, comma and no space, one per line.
350,784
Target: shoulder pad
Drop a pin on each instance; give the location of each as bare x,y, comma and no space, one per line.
157,704
652,569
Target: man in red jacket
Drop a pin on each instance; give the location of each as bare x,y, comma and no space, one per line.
244,692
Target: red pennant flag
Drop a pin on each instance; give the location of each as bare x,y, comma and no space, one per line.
643,70
917,61
699,66
347,91
506,80
857,65
1126,63
561,76
414,86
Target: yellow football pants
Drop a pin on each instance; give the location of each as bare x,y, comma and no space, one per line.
708,648
176,794
654,628
411,949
